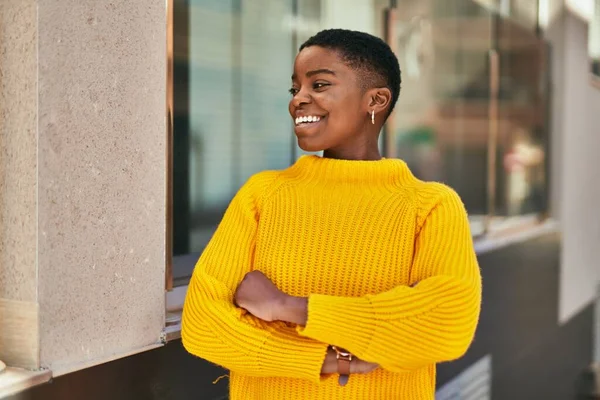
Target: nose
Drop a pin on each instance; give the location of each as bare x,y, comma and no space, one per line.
301,98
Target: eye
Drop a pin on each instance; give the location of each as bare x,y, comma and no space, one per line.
319,85
293,91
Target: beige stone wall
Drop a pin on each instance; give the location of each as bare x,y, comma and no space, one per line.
18,170
18,143
83,182
102,136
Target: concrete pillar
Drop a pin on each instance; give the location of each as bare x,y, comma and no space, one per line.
574,142
86,176
19,340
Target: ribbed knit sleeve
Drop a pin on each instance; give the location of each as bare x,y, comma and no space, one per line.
410,327
214,329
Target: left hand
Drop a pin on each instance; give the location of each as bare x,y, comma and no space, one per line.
259,296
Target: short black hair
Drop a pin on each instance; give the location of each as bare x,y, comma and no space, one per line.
367,54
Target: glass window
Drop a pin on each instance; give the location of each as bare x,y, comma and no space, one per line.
523,100
472,112
440,126
594,43
237,119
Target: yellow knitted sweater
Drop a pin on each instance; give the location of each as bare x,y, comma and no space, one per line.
386,260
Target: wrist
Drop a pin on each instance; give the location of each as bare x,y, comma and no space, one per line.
293,309
279,314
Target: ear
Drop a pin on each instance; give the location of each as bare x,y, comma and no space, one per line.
379,99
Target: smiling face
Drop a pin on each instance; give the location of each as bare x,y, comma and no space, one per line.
329,106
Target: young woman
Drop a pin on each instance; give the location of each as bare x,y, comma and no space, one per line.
343,276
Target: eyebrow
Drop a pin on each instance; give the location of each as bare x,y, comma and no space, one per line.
316,72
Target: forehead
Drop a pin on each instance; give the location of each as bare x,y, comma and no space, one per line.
315,58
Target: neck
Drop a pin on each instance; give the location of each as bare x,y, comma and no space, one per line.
363,154
358,148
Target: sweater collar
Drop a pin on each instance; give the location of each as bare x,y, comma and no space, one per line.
386,171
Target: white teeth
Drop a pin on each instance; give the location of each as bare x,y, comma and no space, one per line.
307,119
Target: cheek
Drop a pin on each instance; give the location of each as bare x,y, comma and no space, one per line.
345,115
343,106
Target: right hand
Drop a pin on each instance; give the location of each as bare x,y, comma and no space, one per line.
357,366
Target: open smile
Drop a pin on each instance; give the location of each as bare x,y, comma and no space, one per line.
307,120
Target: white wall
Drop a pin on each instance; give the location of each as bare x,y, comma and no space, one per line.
582,8
594,36
349,14
576,163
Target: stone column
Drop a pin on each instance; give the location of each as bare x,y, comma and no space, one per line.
86,175
19,340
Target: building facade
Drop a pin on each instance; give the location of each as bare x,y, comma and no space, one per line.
127,126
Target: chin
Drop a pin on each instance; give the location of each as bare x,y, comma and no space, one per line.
306,145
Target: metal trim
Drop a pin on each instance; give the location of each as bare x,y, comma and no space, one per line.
169,152
389,34
494,61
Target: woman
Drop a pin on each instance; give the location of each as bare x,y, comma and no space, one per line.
343,276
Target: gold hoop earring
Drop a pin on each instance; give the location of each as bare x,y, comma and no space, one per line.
373,117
